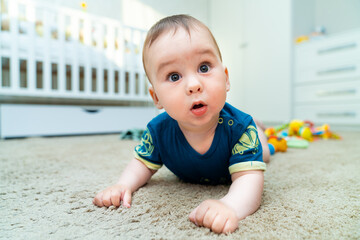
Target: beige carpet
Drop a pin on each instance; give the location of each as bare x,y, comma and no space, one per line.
47,186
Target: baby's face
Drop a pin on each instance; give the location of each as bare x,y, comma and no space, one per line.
188,78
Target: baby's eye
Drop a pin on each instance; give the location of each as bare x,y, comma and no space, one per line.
204,68
174,77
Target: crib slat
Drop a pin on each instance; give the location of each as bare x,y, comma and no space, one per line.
119,56
100,78
47,59
143,85
120,59
30,41
111,79
14,59
74,54
61,66
110,58
1,55
132,83
87,57
1,66
122,82
99,62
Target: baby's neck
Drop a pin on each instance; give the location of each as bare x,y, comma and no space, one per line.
200,139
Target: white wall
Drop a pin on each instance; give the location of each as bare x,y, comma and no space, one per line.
337,15
144,13
255,39
225,24
227,21
303,17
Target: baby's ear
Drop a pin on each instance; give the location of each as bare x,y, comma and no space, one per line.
155,98
227,79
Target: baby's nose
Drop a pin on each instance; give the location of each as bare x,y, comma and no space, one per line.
194,86
194,90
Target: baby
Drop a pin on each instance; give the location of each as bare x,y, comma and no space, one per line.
200,138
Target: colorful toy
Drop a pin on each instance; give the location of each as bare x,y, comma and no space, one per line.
296,134
302,129
324,132
294,127
269,132
275,130
277,144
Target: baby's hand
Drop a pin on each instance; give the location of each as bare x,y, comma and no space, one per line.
113,195
215,215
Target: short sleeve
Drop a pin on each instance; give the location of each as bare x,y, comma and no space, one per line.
246,154
147,152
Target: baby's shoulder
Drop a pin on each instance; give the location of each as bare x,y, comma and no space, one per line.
235,123
235,117
160,122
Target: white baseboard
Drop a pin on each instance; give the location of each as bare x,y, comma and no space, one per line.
25,120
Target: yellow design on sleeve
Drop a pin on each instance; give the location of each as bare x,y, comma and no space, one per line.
146,147
249,140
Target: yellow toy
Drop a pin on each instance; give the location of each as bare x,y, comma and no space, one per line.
301,39
269,132
277,144
300,129
305,133
294,127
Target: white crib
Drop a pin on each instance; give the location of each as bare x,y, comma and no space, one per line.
78,68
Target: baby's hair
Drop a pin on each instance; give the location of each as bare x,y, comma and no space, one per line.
173,23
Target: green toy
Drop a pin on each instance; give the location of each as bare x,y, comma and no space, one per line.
297,143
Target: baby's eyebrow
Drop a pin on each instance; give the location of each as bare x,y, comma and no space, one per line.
201,51
164,64
206,51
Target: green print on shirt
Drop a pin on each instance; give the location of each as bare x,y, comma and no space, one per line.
248,141
146,147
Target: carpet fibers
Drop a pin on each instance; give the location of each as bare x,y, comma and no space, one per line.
47,187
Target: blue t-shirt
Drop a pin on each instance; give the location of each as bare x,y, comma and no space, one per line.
235,147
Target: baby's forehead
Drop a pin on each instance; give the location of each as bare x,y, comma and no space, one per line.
169,34
171,31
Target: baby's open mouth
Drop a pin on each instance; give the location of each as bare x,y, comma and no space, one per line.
197,106
199,109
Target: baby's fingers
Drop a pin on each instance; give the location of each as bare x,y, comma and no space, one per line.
115,197
209,218
218,224
106,199
200,214
230,226
192,215
98,200
127,198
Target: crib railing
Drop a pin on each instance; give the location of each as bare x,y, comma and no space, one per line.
48,52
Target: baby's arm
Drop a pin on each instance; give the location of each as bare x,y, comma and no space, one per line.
135,175
243,199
